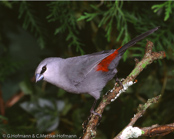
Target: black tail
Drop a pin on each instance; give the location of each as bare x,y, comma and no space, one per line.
135,40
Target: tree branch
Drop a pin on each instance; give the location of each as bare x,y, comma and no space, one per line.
129,131
149,57
158,130
154,130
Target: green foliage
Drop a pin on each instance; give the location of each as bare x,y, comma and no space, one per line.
114,13
62,12
8,67
120,18
7,4
112,18
168,6
31,21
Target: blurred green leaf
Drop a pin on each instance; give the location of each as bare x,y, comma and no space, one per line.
8,4
46,113
67,108
3,118
25,88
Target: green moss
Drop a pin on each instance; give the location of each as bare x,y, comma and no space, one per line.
142,132
144,65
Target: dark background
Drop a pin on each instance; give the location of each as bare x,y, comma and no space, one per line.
32,31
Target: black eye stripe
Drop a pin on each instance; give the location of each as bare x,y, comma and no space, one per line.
44,68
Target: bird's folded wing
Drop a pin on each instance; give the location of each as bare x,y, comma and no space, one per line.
79,67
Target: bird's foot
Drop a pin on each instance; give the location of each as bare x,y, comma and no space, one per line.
119,82
98,114
95,113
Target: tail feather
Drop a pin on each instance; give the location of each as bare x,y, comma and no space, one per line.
135,40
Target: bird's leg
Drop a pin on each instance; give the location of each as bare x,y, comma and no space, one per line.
92,112
92,109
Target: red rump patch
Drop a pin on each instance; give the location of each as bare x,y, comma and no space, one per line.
104,64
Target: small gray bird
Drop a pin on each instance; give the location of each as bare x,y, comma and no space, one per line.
84,74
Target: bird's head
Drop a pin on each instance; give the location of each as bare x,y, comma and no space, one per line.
46,69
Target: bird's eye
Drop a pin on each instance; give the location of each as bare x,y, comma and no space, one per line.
44,68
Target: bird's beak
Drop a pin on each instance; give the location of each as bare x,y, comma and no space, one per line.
39,77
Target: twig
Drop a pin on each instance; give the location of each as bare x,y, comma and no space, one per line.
158,130
141,110
148,58
14,99
154,130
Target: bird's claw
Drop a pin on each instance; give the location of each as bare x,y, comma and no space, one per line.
120,82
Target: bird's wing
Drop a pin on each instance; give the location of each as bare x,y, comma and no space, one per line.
79,67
